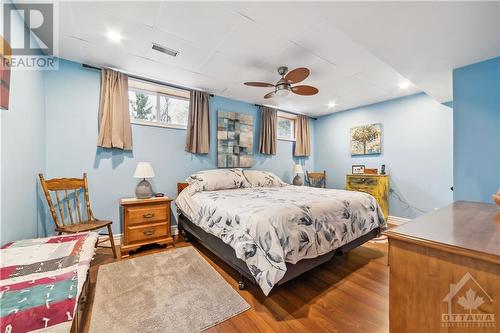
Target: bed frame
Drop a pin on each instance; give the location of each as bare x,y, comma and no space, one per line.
227,254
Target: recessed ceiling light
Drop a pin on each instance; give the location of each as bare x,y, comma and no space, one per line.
404,85
114,36
331,105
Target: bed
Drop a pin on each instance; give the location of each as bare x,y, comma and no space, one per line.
43,282
271,232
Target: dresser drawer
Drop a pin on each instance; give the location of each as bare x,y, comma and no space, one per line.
146,214
145,232
357,182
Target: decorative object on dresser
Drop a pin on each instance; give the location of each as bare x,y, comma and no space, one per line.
76,217
234,140
145,221
376,185
358,169
144,170
446,264
382,169
171,291
366,140
371,171
297,170
316,179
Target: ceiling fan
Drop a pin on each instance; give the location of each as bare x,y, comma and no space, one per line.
284,85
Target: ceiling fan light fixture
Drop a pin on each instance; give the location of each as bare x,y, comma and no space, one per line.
282,91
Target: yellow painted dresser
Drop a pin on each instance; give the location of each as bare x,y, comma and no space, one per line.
376,185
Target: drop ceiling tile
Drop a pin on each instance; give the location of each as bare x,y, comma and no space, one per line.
70,48
293,20
144,12
93,26
199,22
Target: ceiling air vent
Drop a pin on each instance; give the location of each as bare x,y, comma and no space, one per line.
166,50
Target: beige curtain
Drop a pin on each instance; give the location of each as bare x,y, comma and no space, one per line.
114,117
302,136
198,128
268,131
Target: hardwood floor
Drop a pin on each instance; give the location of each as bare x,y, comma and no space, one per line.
348,294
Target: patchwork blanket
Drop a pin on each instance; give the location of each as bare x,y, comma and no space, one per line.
41,280
269,226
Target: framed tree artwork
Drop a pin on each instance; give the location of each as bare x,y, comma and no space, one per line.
366,140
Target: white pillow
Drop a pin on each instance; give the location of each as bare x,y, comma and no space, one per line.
217,179
263,179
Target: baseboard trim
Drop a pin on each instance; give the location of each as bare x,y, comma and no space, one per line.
396,220
174,230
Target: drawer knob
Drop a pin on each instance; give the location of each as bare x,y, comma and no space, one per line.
149,232
148,215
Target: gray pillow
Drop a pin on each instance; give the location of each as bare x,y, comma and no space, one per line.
263,179
217,179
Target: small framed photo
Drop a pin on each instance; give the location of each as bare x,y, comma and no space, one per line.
358,169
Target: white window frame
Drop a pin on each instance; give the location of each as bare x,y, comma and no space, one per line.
293,119
157,94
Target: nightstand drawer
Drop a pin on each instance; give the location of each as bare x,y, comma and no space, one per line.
146,214
144,232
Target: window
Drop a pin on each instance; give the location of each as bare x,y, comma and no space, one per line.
286,126
157,105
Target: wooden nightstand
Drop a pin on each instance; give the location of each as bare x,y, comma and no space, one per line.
145,221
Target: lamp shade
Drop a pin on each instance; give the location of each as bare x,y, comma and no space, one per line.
144,170
297,169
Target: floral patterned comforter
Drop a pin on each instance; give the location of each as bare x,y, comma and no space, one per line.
268,226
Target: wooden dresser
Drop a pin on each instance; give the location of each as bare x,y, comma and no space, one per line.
376,185
145,221
445,271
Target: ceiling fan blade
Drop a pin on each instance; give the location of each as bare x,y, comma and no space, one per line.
305,90
269,95
259,84
297,75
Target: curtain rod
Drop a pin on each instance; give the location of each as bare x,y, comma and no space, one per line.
290,112
145,79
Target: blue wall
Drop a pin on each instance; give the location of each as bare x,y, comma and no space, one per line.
416,149
72,100
476,100
22,151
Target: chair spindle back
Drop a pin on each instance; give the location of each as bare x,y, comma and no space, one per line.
63,189
316,179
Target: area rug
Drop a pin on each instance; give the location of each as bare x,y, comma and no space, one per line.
175,291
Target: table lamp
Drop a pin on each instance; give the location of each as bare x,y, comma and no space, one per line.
297,170
144,170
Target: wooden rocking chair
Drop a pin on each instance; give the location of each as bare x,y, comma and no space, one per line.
80,222
316,179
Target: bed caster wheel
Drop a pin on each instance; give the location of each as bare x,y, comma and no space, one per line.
241,285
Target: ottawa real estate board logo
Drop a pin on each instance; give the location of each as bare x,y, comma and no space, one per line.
468,305
29,33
